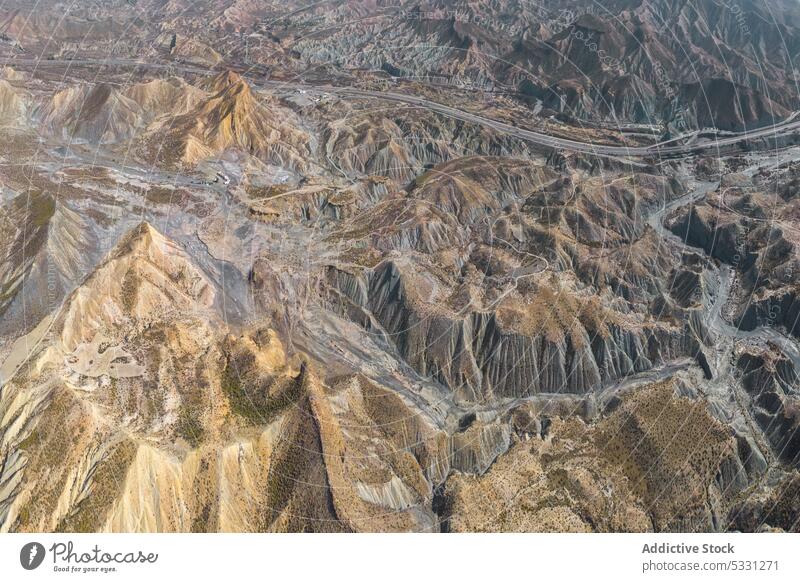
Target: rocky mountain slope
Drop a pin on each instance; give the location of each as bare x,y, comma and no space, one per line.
278,275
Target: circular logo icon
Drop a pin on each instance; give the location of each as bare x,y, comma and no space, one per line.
31,555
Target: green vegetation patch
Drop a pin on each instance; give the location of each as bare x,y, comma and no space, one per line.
42,207
30,440
189,426
251,399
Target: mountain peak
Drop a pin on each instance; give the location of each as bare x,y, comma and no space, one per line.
146,276
225,80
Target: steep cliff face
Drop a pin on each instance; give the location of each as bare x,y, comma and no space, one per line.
725,105
168,121
23,229
171,96
147,276
101,113
48,247
473,187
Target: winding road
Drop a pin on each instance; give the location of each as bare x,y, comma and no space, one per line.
667,148
715,320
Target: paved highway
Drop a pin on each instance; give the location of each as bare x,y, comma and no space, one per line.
655,150
665,149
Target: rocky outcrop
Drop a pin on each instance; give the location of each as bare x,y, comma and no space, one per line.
14,105
657,482
147,276
406,145
772,510
473,187
728,106
770,380
158,97
400,224
702,227
95,113
232,117
617,64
